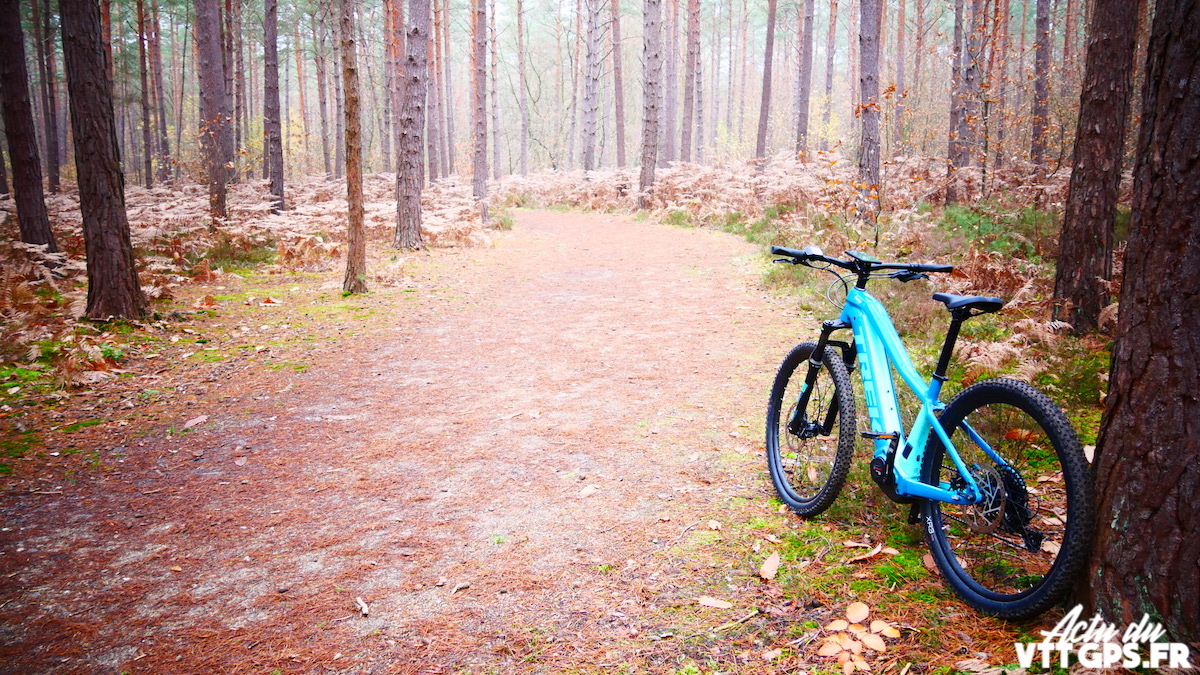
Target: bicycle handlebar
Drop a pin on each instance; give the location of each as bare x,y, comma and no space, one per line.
859,264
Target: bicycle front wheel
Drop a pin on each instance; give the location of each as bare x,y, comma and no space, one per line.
809,448
1016,553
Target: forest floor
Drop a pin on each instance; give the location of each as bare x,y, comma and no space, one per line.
540,456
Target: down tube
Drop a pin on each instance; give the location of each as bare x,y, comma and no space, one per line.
878,388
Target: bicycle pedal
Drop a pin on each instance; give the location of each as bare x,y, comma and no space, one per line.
877,435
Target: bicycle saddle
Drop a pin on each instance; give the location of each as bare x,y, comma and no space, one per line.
976,302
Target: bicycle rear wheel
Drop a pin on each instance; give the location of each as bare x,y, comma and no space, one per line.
1017,552
809,449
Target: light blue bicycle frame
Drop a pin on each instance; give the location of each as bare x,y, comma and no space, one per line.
880,350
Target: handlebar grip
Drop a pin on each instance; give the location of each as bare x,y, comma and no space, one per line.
790,252
929,267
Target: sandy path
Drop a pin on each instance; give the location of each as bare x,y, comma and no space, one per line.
502,465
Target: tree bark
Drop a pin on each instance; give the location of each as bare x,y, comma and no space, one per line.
214,103
156,66
356,253
479,105
43,28
322,87
651,71
113,289
868,156
954,153
618,86
302,89
523,86
433,100
804,86
19,129
144,77
410,171
495,102
830,48
271,123
1147,475
1086,242
689,79
1041,84
670,87
448,92
764,109
395,34
591,83
901,94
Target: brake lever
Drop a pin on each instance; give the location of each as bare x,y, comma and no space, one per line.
787,260
905,276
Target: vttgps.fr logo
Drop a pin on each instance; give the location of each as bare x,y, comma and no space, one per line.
1099,644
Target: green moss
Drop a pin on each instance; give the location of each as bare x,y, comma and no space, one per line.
16,445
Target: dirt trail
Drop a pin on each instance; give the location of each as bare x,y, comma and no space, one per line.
508,466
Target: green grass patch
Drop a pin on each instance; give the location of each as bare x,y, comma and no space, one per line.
16,445
80,425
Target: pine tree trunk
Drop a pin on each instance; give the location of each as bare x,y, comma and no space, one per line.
591,83
651,71
339,104
449,91
868,157
1147,464
144,77
901,94
410,170
1041,85
156,64
495,50
21,133
393,20
271,123
302,87
618,86
356,245
113,289
954,153
670,89
214,104
4,191
479,105
764,109
523,87
49,97
231,140
804,35
689,79
433,140
830,50
1086,242
322,87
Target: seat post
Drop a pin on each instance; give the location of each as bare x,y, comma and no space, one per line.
956,320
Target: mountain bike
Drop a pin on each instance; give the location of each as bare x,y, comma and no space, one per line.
997,476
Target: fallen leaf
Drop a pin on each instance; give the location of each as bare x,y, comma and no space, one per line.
772,654
1050,546
829,649
271,301
177,568
206,301
857,612
890,551
362,606
856,628
194,421
770,567
850,543
879,625
240,461
589,491
927,561
867,556
873,641
861,665
709,601
461,586
714,525
838,625
773,539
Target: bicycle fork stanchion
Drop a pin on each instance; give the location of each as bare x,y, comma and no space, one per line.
814,367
